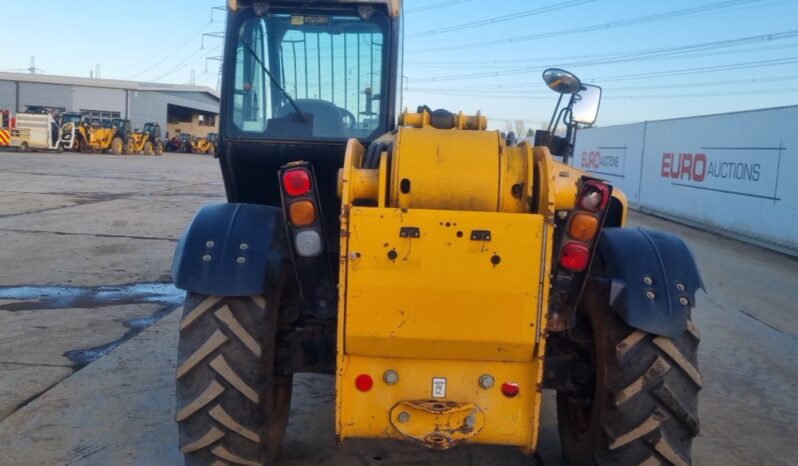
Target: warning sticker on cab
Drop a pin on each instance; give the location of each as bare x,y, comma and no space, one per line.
310,20
439,387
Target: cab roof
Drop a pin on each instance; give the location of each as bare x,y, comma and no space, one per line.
394,6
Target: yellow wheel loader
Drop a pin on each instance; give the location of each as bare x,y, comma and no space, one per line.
146,142
444,276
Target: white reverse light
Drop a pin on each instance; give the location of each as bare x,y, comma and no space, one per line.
308,243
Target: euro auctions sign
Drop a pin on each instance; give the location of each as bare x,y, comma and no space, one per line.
606,161
742,171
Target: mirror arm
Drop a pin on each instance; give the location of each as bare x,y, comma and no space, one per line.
568,147
560,117
556,111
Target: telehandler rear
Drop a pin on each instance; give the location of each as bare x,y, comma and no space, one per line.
441,275
203,145
147,142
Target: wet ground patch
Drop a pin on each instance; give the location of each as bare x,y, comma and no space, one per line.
83,357
34,297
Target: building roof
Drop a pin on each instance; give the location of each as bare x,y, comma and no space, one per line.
105,83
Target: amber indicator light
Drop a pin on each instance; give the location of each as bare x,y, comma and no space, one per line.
584,227
302,213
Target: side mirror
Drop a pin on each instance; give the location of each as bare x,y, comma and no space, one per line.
586,105
561,81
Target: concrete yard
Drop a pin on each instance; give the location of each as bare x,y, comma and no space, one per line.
88,337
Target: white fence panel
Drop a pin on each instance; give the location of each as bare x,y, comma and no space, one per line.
733,173
615,154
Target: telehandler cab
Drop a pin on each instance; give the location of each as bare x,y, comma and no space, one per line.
441,275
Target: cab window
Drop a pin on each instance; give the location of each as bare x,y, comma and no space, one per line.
331,66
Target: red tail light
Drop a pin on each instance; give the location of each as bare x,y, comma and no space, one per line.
364,382
296,182
574,257
510,389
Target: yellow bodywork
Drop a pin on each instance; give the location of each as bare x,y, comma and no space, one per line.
446,250
443,280
202,146
139,143
101,139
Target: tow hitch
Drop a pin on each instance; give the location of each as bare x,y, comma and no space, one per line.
438,425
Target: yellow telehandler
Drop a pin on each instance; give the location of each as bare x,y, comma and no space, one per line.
147,142
109,136
203,145
444,276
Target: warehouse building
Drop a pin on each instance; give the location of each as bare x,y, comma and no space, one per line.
178,108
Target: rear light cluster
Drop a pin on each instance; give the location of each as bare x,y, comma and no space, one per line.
576,240
304,226
302,209
583,226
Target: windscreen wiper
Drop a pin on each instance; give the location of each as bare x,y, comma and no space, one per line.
273,80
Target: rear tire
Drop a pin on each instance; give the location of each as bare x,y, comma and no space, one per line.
211,150
231,408
644,404
148,150
24,147
159,149
117,146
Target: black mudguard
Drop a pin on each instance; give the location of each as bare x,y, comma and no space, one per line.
632,259
231,250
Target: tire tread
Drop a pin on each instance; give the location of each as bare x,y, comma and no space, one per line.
225,364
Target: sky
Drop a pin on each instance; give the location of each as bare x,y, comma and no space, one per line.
654,59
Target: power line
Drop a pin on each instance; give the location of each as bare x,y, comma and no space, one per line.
598,27
703,69
608,96
516,89
613,55
700,95
189,38
640,55
688,71
194,56
501,19
434,6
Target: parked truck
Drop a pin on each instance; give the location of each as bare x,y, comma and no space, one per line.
40,131
7,122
